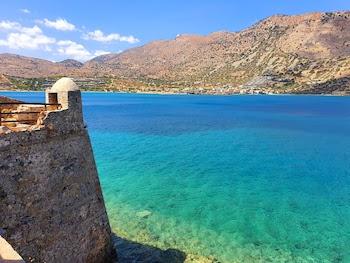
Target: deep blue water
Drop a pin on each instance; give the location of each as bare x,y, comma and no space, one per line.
239,178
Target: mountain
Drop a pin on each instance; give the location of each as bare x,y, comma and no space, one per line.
27,67
5,83
21,66
281,51
307,53
70,63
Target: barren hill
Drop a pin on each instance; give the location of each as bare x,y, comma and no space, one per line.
5,83
27,67
70,63
286,51
302,53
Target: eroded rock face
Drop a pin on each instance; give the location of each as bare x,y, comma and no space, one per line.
51,204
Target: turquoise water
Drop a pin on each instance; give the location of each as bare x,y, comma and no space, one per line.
241,178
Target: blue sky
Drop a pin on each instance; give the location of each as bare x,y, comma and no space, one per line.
78,29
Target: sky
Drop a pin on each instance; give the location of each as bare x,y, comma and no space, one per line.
83,29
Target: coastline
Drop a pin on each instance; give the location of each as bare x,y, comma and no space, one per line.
193,94
130,250
142,232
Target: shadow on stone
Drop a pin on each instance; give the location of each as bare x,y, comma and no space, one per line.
129,251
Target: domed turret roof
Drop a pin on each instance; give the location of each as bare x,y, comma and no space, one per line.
64,84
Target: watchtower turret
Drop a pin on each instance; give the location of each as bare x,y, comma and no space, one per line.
66,93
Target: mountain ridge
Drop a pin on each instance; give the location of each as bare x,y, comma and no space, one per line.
71,63
279,54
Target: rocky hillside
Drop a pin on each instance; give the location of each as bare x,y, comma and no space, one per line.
70,63
27,67
284,52
300,54
5,82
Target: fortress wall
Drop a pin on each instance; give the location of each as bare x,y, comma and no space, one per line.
51,204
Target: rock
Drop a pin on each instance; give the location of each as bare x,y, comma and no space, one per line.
21,127
144,214
4,129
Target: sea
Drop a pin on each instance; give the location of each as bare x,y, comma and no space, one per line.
235,178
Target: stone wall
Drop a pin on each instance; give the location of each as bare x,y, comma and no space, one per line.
51,205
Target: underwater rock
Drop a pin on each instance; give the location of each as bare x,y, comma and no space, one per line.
144,214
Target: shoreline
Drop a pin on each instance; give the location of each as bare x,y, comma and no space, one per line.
189,94
128,249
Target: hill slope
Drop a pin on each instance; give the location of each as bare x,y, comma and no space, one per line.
70,63
283,51
304,53
27,67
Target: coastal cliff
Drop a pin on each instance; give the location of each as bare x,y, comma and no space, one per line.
51,204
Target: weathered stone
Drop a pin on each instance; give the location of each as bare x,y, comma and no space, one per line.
52,207
4,129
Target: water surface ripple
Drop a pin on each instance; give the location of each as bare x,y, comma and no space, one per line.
239,178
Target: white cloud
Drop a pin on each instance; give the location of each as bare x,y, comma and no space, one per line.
99,36
27,41
25,11
8,25
73,50
101,52
58,24
24,37
18,36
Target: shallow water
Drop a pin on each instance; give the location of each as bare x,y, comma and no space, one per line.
239,178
